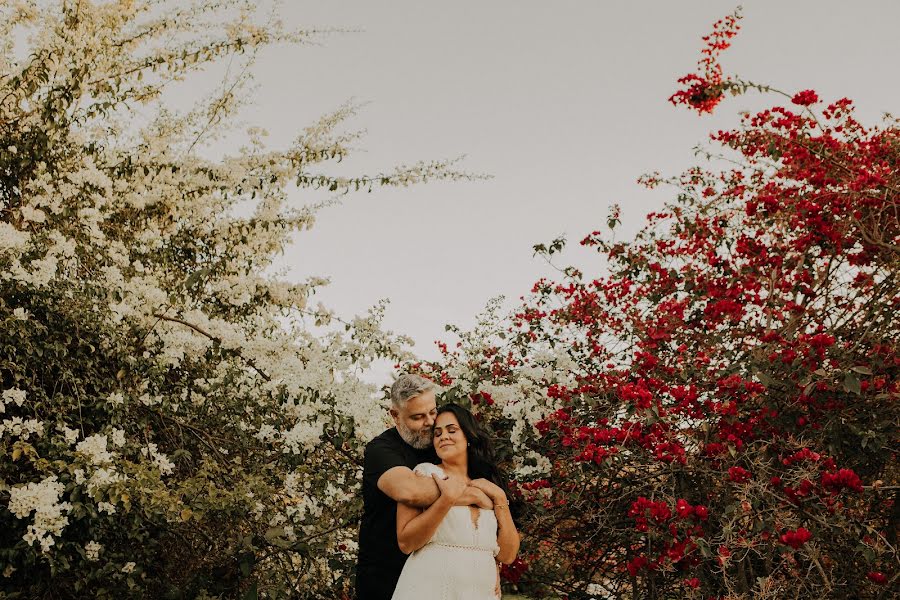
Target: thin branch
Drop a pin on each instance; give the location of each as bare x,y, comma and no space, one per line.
216,339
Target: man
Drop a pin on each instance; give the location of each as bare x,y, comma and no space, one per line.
388,479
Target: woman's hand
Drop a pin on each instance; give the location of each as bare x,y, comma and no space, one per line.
451,488
493,491
476,497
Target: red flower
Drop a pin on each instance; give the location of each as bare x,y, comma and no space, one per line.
659,511
845,478
636,564
479,397
805,98
703,91
692,583
877,577
514,571
738,474
797,538
683,509
703,95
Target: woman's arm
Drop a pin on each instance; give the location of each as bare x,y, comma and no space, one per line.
415,526
507,535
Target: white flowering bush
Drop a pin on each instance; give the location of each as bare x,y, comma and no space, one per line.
174,420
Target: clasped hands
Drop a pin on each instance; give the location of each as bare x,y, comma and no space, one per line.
479,492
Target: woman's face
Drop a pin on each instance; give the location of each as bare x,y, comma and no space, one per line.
449,440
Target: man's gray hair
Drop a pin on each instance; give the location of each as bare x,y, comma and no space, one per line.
409,386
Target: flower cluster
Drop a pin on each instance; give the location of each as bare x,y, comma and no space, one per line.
795,538
704,90
43,499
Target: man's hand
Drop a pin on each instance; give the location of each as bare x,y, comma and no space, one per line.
476,497
451,488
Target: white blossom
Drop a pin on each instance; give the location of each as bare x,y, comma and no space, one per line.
302,436
292,483
102,478
106,507
70,435
35,215
94,447
118,437
92,550
43,499
542,465
266,433
160,460
14,395
11,239
21,428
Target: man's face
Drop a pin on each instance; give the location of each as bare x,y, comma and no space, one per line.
415,421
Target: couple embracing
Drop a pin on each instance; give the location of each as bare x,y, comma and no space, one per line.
436,520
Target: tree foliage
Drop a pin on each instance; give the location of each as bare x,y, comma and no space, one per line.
716,415
175,422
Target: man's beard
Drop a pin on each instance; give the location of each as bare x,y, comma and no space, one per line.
417,439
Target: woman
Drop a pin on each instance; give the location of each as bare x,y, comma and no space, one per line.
454,548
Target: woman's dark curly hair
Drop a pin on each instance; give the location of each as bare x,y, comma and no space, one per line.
482,459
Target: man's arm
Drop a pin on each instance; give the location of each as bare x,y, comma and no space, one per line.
404,486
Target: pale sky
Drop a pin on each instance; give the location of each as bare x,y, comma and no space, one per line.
563,102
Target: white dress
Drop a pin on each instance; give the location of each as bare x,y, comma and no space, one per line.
457,563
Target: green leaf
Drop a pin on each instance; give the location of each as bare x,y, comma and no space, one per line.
862,370
766,379
851,383
704,547
274,535
245,566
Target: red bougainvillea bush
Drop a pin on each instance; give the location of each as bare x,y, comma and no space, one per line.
714,414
